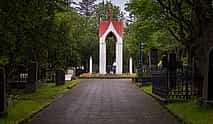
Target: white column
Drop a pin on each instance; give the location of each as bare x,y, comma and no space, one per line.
102,58
119,56
130,65
90,65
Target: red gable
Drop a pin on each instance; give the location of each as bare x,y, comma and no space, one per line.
118,27
103,26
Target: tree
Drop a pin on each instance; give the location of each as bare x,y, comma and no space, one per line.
149,27
86,7
189,22
103,8
25,27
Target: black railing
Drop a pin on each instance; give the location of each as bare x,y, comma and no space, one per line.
176,84
17,75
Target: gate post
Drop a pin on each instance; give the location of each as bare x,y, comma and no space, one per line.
3,94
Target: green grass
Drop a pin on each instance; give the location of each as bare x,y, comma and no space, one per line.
191,112
147,88
27,104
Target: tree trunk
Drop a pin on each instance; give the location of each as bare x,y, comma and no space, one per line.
202,22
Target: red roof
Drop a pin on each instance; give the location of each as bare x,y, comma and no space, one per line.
103,26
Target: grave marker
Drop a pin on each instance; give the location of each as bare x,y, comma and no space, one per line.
210,75
33,77
60,77
3,95
154,56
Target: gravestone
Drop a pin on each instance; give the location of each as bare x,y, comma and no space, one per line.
172,70
3,96
210,76
60,77
33,77
154,56
165,60
172,62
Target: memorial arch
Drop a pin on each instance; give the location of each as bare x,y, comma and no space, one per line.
114,28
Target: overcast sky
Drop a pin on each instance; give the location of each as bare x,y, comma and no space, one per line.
120,3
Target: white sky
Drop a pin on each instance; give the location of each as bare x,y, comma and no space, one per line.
120,3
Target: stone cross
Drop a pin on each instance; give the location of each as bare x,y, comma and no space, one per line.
110,13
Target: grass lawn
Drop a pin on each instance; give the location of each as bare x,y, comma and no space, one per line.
147,88
191,112
26,104
96,75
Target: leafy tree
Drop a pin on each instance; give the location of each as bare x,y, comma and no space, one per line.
25,27
188,23
149,27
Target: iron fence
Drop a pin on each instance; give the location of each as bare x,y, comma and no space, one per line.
181,84
17,75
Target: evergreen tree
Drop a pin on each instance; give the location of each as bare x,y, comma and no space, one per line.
86,7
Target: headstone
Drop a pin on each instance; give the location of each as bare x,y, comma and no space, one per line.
172,70
60,77
210,76
32,77
70,74
3,96
154,56
165,60
172,62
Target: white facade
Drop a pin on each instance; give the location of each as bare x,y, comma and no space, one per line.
119,51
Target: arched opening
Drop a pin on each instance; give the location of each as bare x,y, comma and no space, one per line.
210,75
110,52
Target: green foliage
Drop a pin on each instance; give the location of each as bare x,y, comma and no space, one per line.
149,27
102,11
46,31
110,48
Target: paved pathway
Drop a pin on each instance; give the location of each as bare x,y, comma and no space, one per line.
105,102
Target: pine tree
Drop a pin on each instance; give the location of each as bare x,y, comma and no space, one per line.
86,7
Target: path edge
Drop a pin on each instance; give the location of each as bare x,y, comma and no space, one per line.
55,98
163,105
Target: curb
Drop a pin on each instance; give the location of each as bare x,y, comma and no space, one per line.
33,114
